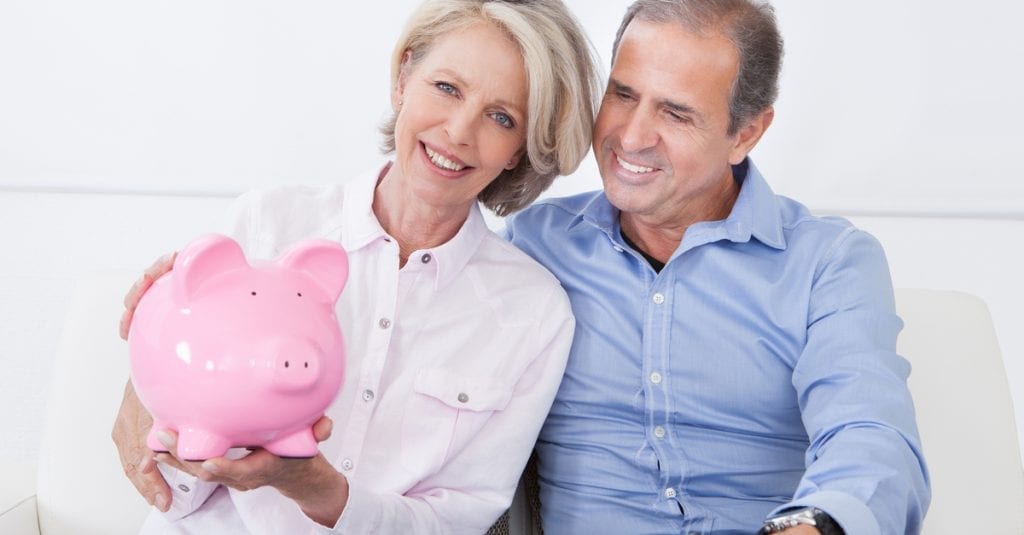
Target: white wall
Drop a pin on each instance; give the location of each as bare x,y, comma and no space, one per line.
125,126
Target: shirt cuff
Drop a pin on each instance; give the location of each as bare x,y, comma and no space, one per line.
361,514
851,514
187,492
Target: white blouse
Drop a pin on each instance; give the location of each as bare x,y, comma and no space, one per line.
452,364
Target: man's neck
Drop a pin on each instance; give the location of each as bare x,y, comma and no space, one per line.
660,238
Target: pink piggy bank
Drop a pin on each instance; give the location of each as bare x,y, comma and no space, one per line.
231,354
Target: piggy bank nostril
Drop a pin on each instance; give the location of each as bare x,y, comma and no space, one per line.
307,364
286,364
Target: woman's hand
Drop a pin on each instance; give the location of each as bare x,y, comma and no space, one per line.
131,300
129,434
319,490
133,422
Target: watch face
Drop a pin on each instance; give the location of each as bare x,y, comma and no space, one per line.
801,517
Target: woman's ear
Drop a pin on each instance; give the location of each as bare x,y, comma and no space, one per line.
398,91
513,162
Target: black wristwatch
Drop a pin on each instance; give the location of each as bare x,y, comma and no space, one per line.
808,516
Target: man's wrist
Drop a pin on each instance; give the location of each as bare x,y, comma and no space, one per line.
807,516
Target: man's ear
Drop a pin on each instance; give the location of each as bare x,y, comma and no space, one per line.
750,134
398,91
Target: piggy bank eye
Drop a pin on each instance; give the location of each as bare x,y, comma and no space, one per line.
253,293
299,294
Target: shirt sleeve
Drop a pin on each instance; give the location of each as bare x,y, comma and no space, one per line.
864,464
188,492
476,484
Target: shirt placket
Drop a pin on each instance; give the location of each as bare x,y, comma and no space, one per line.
657,325
384,302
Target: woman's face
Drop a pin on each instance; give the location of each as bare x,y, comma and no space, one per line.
461,116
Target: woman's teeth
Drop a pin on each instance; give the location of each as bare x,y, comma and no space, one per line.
442,162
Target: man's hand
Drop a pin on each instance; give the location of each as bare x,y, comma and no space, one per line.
131,300
319,490
130,429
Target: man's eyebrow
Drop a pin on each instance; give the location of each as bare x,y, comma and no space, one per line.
675,107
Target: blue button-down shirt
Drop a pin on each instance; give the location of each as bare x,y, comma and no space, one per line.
757,371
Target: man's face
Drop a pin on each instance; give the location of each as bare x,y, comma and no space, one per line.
660,139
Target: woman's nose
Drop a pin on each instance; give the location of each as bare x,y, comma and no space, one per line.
460,126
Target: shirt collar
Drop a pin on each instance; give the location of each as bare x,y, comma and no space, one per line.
361,228
754,214
756,211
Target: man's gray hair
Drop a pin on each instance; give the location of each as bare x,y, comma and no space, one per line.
752,28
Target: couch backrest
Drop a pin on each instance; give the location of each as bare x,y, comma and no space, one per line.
82,489
964,412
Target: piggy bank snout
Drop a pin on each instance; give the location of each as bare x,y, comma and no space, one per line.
293,366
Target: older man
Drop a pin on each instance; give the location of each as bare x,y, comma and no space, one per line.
734,363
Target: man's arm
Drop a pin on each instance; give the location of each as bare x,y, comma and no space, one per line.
864,463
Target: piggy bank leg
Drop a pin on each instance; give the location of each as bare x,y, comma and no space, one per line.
298,445
199,445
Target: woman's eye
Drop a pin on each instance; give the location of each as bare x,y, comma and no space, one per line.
446,87
503,120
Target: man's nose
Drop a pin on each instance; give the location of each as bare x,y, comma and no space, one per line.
638,132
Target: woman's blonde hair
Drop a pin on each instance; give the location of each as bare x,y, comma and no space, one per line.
563,86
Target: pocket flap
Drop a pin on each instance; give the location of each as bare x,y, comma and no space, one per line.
462,392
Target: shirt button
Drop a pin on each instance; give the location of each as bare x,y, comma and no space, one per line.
656,378
659,432
670,493
384,323
658,299
425,258
367,395
463,397
347,465
183,488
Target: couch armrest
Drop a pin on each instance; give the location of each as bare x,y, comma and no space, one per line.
18,516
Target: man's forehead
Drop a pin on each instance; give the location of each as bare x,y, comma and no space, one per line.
668,55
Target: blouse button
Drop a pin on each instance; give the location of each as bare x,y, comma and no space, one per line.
463,397
346,465
425,258
183,488
367,395
384,323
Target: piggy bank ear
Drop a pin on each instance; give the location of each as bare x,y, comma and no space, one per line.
204,258
324,261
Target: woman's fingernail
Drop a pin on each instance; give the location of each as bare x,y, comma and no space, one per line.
164,438
210,466
161,502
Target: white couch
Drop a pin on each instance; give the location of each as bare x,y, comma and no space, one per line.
959,385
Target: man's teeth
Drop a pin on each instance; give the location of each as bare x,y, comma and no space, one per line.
638,169
443,162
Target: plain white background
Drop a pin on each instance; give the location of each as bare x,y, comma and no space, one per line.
126,126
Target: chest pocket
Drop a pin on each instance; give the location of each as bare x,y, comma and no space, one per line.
443,413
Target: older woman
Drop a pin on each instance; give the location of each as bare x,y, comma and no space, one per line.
456,340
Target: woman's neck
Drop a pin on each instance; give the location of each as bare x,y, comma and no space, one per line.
414,224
